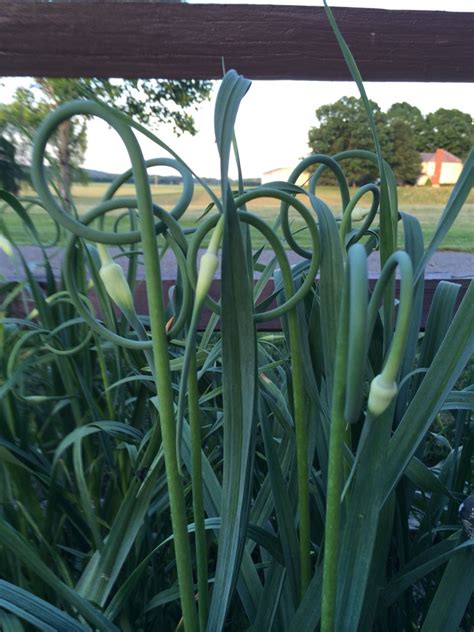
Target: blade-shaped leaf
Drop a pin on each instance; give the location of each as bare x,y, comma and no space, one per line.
239,380
453,594
36,611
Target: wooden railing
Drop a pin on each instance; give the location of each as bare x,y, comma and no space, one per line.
179,41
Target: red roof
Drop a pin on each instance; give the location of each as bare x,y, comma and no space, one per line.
446,156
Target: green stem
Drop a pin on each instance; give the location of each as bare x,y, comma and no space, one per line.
164,391
301,432
160,349
394,355
335,475
105,379
198,500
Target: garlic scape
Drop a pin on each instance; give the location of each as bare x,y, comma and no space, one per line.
114,281
353,213
117,287
383,388
381,394
208,265
207,269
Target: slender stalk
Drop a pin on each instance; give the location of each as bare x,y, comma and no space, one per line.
105,379
335,476
299,398
165,399
198,500
299,393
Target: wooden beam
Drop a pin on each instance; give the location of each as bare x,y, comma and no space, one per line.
183,41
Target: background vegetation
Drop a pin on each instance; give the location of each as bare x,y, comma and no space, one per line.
151,101
425,203
403,132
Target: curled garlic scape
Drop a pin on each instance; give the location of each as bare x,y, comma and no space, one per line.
383,388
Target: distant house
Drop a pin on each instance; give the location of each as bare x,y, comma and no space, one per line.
441,167
281,174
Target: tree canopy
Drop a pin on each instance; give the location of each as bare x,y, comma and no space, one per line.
343,125
149,101
403,131
452,130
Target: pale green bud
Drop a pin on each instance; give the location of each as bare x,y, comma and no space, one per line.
381,394
207,269
358,214
116,285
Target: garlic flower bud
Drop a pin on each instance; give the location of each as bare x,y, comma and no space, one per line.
207,269
114,281
116,285
381,394
209,263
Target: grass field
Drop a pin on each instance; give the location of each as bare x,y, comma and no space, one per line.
425,203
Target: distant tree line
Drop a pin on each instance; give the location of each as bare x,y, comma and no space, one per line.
403,131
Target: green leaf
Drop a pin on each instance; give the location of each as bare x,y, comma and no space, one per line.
269,602
10,623
239,370
388,190
424,478
239,377
360,529
420,566
248,584
114,428
308,615
453,594
447,365
284,510
232,90
28,556
36,611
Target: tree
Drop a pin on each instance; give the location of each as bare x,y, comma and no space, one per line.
415,120
10,172
403,132
343,125
150,101
404,158
452,130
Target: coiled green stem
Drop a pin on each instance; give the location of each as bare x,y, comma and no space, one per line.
156,311
349,212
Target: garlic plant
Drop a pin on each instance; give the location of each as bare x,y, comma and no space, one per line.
159,476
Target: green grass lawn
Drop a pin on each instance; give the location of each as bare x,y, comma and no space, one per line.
426,203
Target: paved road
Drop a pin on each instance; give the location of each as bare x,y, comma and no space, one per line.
443,265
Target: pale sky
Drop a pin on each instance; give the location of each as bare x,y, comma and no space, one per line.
273,122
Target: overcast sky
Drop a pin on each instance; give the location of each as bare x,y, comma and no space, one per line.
275,116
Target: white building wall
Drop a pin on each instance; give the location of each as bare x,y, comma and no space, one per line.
450,172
